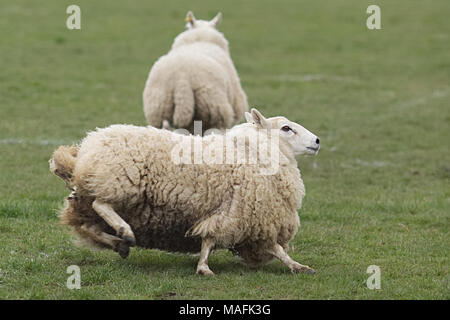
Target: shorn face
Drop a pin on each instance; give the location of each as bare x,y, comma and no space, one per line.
302,141
193,23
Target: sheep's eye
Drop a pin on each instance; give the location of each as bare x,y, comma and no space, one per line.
286,128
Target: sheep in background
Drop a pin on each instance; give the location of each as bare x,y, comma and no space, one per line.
130,188
196,80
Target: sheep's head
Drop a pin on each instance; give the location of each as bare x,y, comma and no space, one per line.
194,23
201,31
298,138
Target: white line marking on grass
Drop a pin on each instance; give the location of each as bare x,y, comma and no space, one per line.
436,94
363,163
375,163
308,78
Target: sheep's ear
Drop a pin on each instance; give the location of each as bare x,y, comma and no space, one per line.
215,21
190,19
258,118
248,117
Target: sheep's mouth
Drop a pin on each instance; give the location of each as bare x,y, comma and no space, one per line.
313,149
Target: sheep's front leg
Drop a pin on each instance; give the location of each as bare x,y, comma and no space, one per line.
295,267
107,213
202,266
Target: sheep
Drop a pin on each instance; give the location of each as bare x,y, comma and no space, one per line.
149,187
196,80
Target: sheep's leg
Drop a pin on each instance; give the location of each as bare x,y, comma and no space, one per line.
213,104
202,266
295,267
107,213
95,233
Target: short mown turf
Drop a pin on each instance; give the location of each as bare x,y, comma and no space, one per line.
377,193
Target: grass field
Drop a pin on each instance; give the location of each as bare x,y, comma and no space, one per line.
377,193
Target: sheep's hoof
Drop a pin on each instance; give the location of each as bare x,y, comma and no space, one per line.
129,241
205,271
123,249
300,268
310,271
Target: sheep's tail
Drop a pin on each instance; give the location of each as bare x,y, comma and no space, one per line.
63,162
184,102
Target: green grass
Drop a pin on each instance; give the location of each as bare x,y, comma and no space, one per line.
377,193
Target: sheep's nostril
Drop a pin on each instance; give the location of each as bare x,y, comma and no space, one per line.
317,141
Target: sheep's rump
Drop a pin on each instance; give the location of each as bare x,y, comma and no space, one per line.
188,84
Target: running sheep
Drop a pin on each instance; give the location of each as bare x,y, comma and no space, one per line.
196,80
181,193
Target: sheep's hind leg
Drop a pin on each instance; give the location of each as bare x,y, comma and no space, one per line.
95,233
295,267
123,229
202,266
